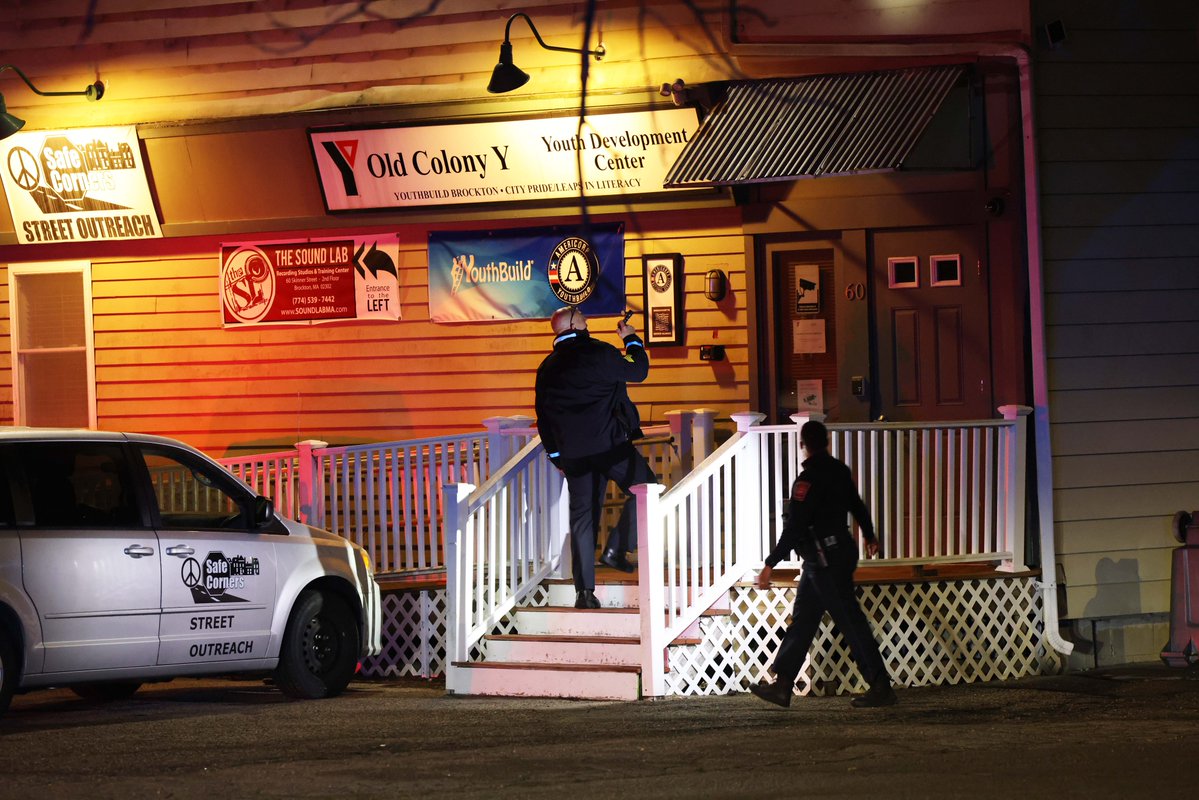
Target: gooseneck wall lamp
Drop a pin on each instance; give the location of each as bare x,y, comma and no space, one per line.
10,124
507,76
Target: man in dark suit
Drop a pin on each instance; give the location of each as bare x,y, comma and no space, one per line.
587,424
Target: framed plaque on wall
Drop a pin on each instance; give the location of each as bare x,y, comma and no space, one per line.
663,300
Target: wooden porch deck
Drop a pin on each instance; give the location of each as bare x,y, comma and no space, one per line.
866,574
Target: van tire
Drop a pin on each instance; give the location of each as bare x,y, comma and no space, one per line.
320,647
8,671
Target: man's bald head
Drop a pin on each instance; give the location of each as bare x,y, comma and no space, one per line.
567,318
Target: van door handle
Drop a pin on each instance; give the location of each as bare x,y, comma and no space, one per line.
138,550
181,550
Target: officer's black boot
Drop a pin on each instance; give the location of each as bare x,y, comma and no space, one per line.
778,692
880,693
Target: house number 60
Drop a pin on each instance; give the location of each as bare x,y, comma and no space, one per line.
855,291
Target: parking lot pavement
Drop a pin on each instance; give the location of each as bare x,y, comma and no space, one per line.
1122,733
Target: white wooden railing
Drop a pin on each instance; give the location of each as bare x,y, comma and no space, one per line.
508,535
273,475
943,491
502,540
937,492
388,497
694,542
385,497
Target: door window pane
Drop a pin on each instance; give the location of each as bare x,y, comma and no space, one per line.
80,485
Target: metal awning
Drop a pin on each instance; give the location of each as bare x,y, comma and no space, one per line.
789,128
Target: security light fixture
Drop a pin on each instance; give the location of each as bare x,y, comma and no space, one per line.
10,124
507,76
716,285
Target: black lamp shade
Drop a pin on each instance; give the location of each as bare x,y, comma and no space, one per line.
8,123
506,76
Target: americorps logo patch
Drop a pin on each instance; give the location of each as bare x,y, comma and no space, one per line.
573,270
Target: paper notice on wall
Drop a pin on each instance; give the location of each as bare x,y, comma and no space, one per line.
807,336
809,394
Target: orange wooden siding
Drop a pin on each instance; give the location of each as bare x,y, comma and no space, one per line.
164,365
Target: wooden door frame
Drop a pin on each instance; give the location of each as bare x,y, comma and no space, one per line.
854,350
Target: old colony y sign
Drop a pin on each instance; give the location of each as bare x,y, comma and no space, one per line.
532,159
80,185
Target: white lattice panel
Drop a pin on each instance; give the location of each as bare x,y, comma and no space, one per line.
414,637
929,633
705,668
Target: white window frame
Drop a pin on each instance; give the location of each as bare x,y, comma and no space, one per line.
84,269
936,261
912,262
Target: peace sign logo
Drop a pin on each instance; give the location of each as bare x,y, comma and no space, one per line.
23,168
190,572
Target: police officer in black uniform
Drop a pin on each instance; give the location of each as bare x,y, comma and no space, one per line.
822,497
587,424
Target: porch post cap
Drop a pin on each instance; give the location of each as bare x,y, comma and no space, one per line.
746,419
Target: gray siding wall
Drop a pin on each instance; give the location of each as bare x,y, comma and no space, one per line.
1117,107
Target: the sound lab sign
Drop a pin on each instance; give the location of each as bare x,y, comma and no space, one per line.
311,281
81,185
491,162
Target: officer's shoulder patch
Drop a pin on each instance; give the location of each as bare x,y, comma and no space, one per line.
800,490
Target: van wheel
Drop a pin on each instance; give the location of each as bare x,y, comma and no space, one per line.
107,691
8,672
320,648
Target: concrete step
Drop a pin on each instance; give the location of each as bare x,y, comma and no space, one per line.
518,679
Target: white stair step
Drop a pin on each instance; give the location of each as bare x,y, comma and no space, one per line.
617,593
571,621
610,595
555,649
613,682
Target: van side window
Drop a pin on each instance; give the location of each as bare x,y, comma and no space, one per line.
193,495
80,485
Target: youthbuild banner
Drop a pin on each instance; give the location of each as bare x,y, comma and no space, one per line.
310,281
488,162
80,185
526,273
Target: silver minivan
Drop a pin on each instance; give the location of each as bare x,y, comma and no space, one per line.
127,558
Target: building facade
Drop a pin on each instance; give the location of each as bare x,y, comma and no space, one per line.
962,275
